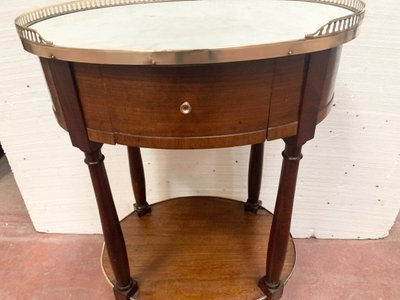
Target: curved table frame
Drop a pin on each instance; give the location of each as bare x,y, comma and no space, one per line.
212,98
316,82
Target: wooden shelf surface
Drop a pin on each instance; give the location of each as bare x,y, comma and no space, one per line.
198,248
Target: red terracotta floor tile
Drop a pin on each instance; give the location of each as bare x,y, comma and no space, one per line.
39,266
50,266
354,270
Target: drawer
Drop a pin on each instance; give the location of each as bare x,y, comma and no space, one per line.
133,103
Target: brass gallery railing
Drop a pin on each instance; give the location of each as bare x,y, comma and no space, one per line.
24,21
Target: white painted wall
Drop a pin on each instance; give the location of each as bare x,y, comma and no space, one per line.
349,178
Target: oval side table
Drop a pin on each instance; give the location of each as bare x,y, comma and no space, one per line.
193,75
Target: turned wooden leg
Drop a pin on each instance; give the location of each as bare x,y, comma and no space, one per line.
280,230
138,181
125,286
254,178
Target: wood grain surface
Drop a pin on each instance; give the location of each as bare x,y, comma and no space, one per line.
141,103
205,248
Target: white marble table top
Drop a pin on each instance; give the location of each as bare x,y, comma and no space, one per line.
188,25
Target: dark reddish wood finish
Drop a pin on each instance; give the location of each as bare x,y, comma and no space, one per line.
138,181
253,202
131,96
205,248
125,286
61,83
53,90
280,230
140,105
60,80
232,104
286,96
292,81
319,74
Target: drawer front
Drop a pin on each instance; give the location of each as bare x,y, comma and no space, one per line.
175,102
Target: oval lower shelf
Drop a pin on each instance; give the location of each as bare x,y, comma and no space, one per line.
198,248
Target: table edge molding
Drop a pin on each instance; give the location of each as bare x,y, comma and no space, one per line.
333,33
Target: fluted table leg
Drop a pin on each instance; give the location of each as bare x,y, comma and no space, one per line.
125,286
138,181
280,230
253,202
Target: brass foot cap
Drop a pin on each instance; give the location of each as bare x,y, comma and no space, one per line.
142,210
126,292
272,291
252,207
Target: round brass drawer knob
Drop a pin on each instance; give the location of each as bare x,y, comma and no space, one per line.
186,108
